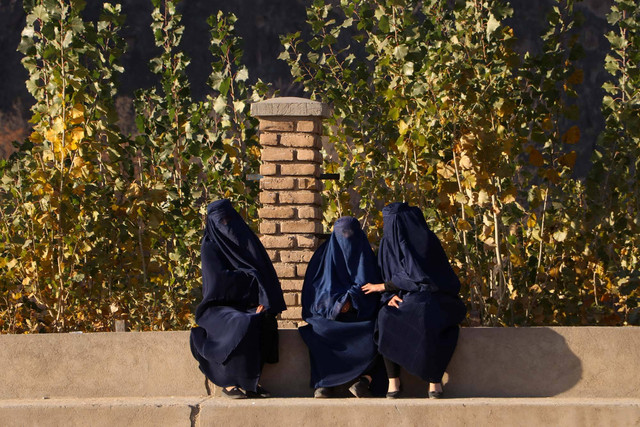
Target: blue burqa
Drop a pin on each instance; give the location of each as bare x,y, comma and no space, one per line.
422,334
232,341
341,345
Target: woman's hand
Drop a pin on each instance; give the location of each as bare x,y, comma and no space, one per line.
395,301
260,308
346,307
370,288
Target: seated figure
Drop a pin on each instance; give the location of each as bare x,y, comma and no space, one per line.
418,324
237,330
340,317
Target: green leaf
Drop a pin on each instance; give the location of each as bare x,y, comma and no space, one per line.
492,25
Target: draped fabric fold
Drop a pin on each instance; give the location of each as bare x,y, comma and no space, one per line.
232,341
422,334
341,344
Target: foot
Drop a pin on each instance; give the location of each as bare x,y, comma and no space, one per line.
361,387
435,391
234,392
322,393
260,392
395,388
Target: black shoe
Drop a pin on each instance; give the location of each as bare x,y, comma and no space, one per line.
394,394
436,394
260,392
234,393
361,388
322,393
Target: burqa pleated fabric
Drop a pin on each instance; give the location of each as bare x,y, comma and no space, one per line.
422,334
232,341
341,345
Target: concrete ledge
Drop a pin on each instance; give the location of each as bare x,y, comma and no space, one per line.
414,412
290,107
479,412
489,362
98,412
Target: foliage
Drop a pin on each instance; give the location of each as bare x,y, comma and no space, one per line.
96,225
443,114
614,182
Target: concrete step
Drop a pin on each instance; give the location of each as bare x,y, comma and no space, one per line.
208,411
489,362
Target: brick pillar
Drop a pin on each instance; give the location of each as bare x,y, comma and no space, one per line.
291,213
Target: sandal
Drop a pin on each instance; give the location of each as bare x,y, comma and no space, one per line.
260,392
395,394
322,393
234,393
361,388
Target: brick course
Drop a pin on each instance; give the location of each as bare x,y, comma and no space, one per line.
270,183
274,125
269,169
309,212
300,169
309,126
308,156
276,154
300,140
271,242
300,197
268,227
301,226
268,138
270,212
296,256
291,284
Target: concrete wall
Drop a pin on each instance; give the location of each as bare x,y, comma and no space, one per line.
489,362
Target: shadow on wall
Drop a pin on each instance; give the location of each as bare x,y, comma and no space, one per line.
512,362
488,362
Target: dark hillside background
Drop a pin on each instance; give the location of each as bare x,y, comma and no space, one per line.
260,23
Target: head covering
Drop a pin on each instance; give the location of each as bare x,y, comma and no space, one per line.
338,269
243,251
411,255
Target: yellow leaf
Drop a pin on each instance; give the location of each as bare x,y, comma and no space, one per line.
465,162
58,125
52,136
36,137
47,155
77,114
402,127
445,170
531,222
71,146
508,198
572,135
464,225
76,168
77,134
483,197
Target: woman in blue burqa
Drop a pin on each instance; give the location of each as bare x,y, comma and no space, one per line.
237,331
340,317
418,325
